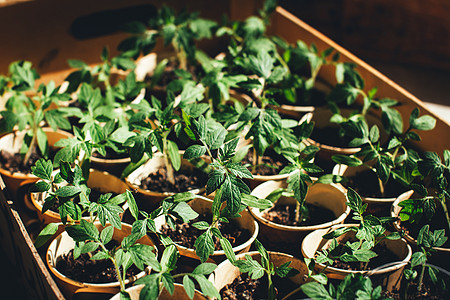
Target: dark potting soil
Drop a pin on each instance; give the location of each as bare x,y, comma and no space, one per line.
185,234
272,164
246,288
84,269
330,136
285,215
384,256
14,161
184,181
366,184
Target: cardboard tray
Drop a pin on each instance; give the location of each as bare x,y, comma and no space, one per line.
44,36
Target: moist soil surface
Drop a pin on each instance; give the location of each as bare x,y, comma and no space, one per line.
285,215
366,184
14,161
84,269
184,181
185,234
244,287
271,164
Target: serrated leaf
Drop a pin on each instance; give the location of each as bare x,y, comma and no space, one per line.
194,151
46,234
106,234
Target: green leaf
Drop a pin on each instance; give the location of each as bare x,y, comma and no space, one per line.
228,249
194,151
141,255
169,258
422,123
204,246
132,206
350,161
85,231
106,234
215,180
68,191
189,286
46,234
204,269
43,169
40,187
174,154
185,212
100,256
232,195
253,201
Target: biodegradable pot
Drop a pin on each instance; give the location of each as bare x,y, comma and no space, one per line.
226,273
99,180
146,199
321,118
178,293
114,166
201,206
12,143
325,195
389,277
63,243
376,206
442,255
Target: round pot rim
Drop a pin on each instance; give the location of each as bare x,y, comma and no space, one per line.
408,237
401,263
21,175
71,281
222,252
339,219
134,186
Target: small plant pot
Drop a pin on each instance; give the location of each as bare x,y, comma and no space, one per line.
389,277
321,118
201,206
178,293
114,166
330,196
149,200
442,255
376,205
102,181
63,243
11,143
226,273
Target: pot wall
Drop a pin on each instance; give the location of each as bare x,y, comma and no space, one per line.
389,277
329,196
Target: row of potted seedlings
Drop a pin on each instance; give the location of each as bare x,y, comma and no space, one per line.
131,157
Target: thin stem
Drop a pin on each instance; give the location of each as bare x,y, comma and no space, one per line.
297,212
31,147
168,165
422,272
255,160
116,267
444,207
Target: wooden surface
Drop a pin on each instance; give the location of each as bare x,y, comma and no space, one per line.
21,253
292,29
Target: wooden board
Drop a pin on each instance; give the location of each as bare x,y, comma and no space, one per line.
19,249
292,29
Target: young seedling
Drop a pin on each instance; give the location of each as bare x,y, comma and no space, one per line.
161,278
28,112
426,240
181,31
369,233
393,159
354,286
225,179
257,270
